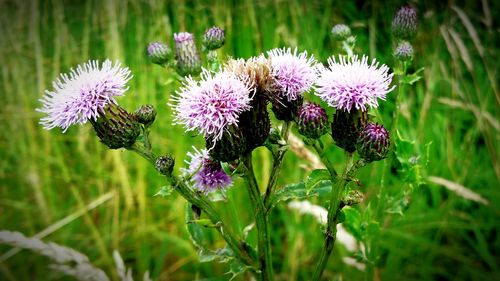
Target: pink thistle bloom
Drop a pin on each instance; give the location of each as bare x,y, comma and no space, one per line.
83,94
207,174
352,83
293,73
212,104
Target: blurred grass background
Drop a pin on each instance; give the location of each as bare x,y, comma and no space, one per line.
70,189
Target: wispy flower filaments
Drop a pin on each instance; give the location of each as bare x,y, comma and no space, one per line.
207,174
212,104
293,73
83,94
352,83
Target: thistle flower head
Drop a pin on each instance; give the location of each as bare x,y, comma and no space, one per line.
353,83
212,104
186,54
256,69
207,174
158,53
293,73
83,94
312,121
403,51
404,24
373,142
214,38
341,31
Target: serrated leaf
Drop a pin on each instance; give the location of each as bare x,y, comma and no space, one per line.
222,255
315,178
164,191
298,191
410,160
236,268
410,79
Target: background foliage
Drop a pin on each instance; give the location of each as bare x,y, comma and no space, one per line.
68,188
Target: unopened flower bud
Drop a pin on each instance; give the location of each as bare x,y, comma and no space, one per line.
158,53
341,32
165,165
404,24
116,128
255,123
373,143
145,114
403,51
187,56
345,128
213,38
312,121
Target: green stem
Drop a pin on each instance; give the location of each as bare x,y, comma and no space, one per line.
261,220
329,165
333,212
277,164
399,93
240,248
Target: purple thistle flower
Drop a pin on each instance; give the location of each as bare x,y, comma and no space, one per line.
83,94
212,104
353,83
207,174
293,74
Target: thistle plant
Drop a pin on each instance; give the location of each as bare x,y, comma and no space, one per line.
225,102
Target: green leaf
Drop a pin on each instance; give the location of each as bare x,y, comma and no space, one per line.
164,191
220,255
353,222
195,231
236,268
409,158
298,191
315,178
410,79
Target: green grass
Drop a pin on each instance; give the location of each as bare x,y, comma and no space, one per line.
451,116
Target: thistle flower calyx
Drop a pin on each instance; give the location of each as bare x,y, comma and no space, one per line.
213,38
373,142
312,121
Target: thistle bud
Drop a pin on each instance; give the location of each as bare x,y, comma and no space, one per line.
373,142
187,56
165,165
255,123
345,128
158,53
213,38
145,114
341,32
404,24
116,128
312,121
230,147
403,51
286,110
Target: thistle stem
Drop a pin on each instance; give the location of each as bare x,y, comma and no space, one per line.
261,219
318,146
277,164
333,212
240,248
